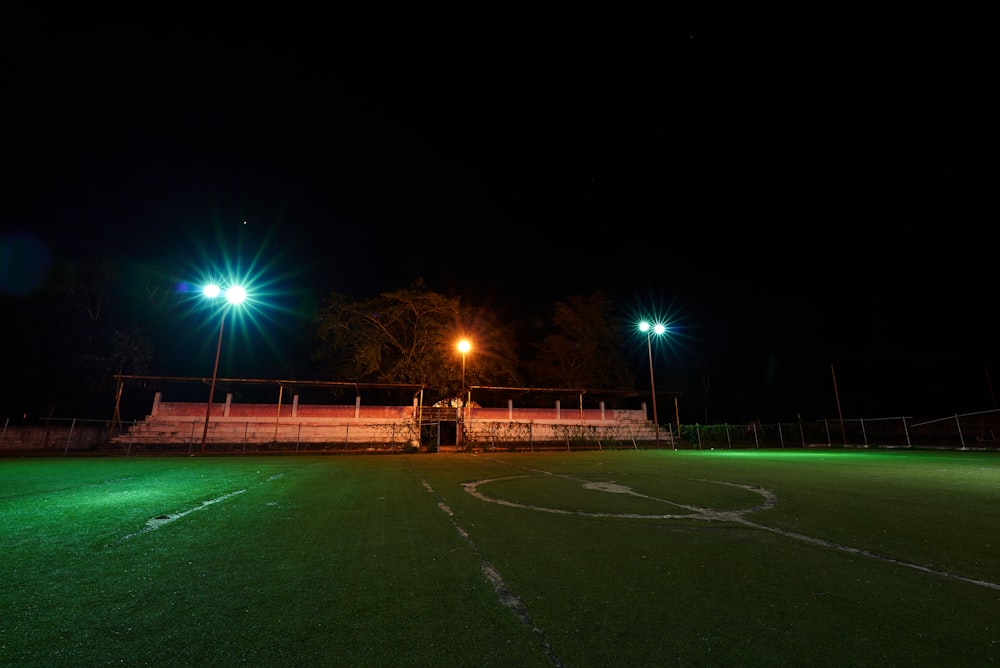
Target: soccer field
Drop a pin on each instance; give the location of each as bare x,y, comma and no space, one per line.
624,558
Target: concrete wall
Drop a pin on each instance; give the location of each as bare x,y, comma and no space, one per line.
65,438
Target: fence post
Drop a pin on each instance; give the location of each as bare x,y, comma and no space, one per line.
70,437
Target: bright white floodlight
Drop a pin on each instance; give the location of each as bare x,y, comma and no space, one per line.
659,329
237,294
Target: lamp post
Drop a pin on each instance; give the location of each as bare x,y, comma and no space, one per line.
648,330
463,347
234,295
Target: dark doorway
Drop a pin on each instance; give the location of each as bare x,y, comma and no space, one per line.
434,434
448,433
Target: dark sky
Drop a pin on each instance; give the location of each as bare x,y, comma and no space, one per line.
793,192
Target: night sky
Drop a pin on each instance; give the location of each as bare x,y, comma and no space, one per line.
794,193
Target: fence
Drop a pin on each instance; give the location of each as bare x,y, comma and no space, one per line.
551,435
56,435
957,431
980,430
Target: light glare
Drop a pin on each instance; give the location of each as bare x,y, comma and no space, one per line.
236,294
659,328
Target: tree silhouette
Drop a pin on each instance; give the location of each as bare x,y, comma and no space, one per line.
409,336
582,351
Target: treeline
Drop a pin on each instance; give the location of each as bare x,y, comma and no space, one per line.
93,320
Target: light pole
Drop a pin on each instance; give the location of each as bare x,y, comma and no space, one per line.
235,295
463,347
648,330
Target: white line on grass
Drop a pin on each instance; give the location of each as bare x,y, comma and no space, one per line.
161,520
706,514
507,597
697,513
873,555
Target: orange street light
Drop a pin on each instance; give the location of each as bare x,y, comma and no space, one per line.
463,347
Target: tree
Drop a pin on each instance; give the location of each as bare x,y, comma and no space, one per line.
67,327
583,350
392,338
493,359
95,318
410,336
88,287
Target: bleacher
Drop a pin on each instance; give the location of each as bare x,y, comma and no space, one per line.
392,427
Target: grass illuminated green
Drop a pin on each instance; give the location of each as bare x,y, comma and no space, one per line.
865,558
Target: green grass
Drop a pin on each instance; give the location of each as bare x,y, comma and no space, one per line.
866,559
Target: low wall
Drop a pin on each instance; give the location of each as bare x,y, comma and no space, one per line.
489,433
392,426
66,438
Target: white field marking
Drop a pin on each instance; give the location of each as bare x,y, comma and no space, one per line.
427,486
696,512
157,522
507,597
514,602
706,514
872,555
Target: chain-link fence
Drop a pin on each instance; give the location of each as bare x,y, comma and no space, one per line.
958,431
980,430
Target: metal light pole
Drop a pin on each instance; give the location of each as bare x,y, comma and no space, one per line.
657,329
463,347
234,295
